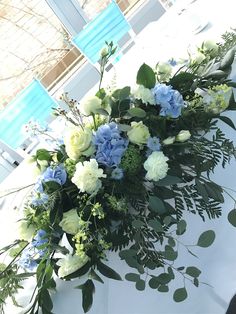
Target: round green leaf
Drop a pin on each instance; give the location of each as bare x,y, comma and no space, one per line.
156,205
163,288
154,283
170,254
171,241
232,217
206,238
196,282
180,295
137,223
156,225
132,277
181,227
140,285
164,278
137,112
193,271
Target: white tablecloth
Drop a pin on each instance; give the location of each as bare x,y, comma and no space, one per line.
159,41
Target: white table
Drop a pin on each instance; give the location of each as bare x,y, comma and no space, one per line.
160,40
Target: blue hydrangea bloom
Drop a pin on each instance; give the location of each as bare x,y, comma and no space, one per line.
117,174
57,174
172,62
170,100
27,261
110,146
39,198
32,253
153,144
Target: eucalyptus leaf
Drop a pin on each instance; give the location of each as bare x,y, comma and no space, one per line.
156,205
137,112
193,271
168,180
163,288
164,278
138,223
132,277
180,295
140,285
232,217
156,225
206,238
154,283
181,227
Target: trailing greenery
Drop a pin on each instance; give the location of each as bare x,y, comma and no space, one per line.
132,164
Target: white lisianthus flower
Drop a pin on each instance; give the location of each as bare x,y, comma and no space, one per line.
103,52
164,70
139,133
211,47
198,58
183,136
70,263
78,142
169,140
26,231
144,94
89,105
156,166
70,222
86,176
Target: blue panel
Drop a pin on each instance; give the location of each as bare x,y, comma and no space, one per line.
33,102
109,25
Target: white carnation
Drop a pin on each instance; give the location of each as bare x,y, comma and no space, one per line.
156,166
90,104
70,263
86,176
145,94
70,222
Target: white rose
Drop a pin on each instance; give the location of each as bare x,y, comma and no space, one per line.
169,140
70,222
183,136
156,166
164,71
26,231
90,104
86,176
211,47
70,263
198,58
143,93
139,133
78,142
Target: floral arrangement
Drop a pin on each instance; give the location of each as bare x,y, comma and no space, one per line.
131,163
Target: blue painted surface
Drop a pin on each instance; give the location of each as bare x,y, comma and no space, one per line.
109,25
33,102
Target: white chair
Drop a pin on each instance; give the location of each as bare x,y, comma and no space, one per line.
109,25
